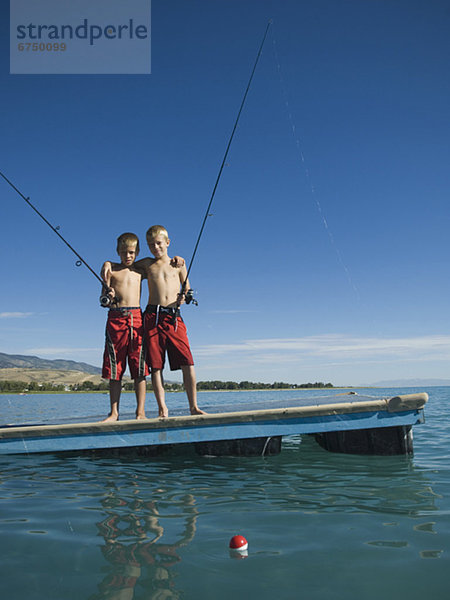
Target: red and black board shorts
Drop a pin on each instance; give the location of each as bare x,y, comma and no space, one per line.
161,336
124,336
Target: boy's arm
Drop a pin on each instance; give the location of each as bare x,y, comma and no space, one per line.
106,274
186,294
142,265
184,283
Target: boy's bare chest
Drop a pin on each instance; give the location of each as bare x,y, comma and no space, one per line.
163,273
125,277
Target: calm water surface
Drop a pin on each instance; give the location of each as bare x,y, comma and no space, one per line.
319,525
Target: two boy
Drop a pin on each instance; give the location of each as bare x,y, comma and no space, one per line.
163,329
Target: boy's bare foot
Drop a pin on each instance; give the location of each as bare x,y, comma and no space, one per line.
197,411
110,417
140,417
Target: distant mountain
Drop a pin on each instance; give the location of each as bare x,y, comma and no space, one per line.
411,383
8,361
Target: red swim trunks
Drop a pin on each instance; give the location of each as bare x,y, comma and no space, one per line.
124,330
161,336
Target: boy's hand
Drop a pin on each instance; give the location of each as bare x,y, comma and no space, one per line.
110,293
186,298
177,262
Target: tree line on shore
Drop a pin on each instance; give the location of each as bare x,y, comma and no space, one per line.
128,386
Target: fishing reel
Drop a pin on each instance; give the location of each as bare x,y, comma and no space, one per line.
189,297
106,301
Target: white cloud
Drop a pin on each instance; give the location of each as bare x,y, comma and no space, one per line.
15,315
231,312
342,359
61,351
335,347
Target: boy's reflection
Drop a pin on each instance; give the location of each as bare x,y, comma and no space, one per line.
132,532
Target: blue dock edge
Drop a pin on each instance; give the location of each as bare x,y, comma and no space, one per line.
396,412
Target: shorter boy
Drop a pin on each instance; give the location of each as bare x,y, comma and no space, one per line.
164,329
124,327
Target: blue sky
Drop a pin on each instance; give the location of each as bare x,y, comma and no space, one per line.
326,255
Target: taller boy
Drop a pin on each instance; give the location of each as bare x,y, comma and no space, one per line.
164,329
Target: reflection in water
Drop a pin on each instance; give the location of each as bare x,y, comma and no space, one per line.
132,532
142,536
118,529
322,482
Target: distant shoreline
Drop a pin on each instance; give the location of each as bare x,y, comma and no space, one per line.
105,393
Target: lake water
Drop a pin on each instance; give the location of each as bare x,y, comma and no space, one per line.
319,525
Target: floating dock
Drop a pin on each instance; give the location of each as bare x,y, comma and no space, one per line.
362,425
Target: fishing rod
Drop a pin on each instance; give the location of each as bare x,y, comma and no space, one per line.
189,296
80,260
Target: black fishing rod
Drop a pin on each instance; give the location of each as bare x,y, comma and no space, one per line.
55,229
189,297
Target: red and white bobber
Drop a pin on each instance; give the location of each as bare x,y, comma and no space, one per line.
238,543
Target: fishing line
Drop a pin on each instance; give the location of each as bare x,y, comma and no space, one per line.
308,176
207,213
80,260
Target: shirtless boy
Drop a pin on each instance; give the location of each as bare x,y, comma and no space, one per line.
124,328
164,329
